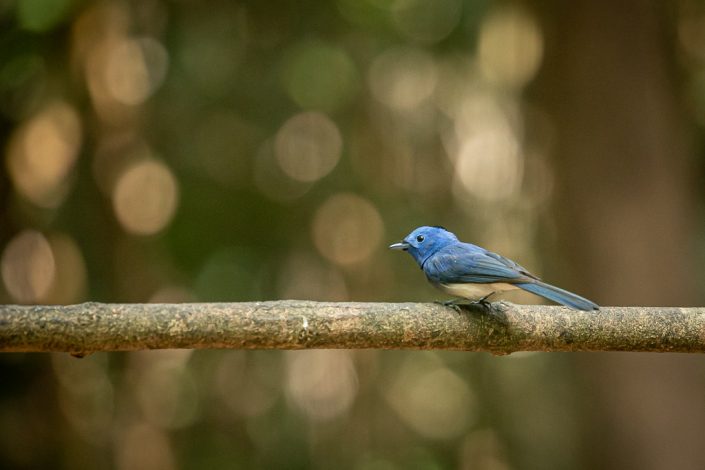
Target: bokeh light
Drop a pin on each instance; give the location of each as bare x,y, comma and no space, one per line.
308,146
135,68
403,78
271,180
434,401
488,166
145,197
246,389
113,155
487,159
347,229
28,267
165,389
322,384
100,36
304,276
229,274
86,395
426,21
510,47
247,151
42,15
320,75
70,281
43,152
171,294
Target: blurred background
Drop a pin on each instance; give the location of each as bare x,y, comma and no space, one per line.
178,151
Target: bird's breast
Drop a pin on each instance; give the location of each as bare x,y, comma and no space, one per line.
475,291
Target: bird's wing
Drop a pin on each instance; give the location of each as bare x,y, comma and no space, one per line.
463,262
512,264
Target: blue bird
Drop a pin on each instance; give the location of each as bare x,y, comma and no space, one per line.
469,271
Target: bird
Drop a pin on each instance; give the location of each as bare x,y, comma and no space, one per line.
474,273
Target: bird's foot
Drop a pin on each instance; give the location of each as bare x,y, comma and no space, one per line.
452,303
456,304
484,302
445,303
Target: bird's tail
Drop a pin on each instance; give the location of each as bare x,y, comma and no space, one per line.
558,295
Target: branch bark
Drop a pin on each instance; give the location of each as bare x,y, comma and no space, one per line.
291,324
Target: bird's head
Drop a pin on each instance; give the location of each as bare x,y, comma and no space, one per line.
425,241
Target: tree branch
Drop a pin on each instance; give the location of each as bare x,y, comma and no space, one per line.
291,324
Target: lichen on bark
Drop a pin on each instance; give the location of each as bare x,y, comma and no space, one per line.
292,324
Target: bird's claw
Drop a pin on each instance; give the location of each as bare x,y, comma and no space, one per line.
455,304
448,303
483,302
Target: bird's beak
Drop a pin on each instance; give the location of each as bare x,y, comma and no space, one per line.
399,246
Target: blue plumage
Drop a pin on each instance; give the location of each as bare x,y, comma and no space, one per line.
469,271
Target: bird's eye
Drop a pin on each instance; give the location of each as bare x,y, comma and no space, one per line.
420,238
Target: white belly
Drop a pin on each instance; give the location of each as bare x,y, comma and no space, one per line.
475,291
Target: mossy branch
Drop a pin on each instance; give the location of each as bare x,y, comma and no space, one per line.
291,324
